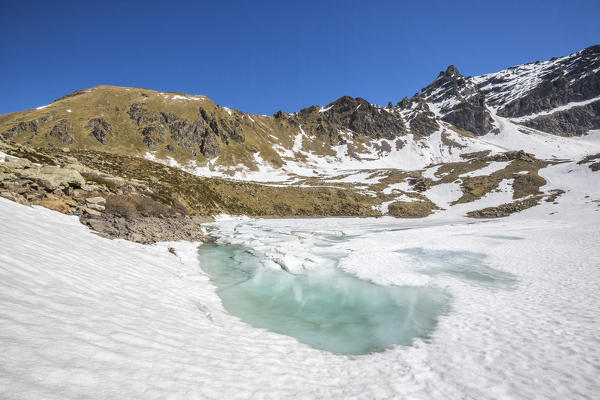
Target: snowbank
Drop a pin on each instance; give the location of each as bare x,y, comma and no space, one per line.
86,317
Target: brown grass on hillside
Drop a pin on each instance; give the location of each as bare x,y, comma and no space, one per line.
131,206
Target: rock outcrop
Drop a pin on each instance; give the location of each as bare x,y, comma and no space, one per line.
141,116
550,84
100,129
457,100
65,190
22,128
504,210
154,135
62,132
575,121
148,230
351,114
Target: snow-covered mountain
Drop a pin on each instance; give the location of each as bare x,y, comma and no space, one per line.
550,109
559,96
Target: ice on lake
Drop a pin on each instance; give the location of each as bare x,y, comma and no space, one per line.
306,283
326,309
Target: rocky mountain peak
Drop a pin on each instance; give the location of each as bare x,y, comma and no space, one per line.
347,103
544,85
351,114
451,71
515,92
592,52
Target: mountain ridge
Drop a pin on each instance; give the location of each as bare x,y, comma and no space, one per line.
560,96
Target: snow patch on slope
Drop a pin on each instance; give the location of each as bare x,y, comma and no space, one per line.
565,107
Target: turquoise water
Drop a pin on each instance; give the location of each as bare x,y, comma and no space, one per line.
326,309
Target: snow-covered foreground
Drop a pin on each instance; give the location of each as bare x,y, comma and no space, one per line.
86,317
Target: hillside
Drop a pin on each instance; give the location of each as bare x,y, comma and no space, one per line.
451,116
476,141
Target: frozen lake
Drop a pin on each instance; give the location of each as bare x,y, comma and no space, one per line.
440,308
299,282
324,308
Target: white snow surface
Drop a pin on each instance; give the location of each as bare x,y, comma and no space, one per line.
86,317
488,169
414,155
444,194
169,96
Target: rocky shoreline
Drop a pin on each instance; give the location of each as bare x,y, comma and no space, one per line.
64,188
147,230
138,200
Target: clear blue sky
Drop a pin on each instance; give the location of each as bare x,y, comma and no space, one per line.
262,56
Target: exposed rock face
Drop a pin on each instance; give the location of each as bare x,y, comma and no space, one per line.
200,134
556,82
154,134
100,129
573,122
458,101
210,145
62,132
515,92
168,117
52,178
236,134
147,230
471,116
423,122
140,115
449,85
223,128
185,133
22,128
354,114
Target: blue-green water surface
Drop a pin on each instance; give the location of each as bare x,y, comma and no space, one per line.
325,308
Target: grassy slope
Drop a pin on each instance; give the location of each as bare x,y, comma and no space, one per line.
112,104
205,196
